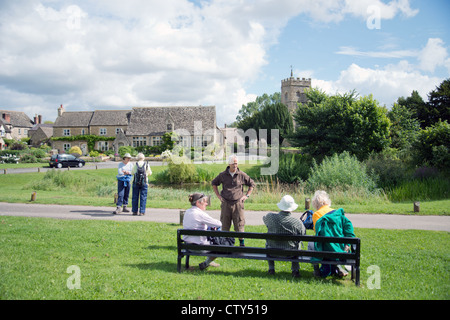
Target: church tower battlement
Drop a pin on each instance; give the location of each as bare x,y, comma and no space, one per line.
293,91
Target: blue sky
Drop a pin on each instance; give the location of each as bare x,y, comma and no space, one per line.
115,54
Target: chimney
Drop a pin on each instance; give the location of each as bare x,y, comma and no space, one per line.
7,117
40,119
35,119
60,111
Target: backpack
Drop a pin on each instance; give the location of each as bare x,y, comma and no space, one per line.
308,221
140,176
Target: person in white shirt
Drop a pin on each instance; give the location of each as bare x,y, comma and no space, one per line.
197,219
141,171
124,183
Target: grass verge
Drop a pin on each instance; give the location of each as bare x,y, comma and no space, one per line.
137,260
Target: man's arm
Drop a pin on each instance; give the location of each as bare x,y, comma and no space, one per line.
216,191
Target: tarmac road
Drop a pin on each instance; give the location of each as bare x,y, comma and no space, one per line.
378,221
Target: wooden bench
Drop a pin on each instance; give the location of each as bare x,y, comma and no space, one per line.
262,253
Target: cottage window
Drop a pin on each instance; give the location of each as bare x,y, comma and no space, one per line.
103,131
156,141
66,132
139,141
66,147
103,145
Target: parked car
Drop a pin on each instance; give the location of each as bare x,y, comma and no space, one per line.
65,160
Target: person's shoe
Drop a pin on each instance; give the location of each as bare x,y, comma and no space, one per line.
124,209
271,272
134,213
118,210
296,274
241,243
142,214
202,266
341,272
316,270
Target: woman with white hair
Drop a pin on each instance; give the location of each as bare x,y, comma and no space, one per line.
329,223
321,201
141,171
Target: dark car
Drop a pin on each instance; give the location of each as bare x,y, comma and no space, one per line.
65,160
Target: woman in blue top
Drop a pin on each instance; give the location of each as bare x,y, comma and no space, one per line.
124,183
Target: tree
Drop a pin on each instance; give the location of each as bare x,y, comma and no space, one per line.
271,116
334,124
267,112
432,147
404,126
260,103
438,106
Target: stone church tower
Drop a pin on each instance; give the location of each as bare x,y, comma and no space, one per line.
293,91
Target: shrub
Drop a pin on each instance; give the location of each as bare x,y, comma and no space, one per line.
343,170
181,172
75,149
28,158
293,167
389,170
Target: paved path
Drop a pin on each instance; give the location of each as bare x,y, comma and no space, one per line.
381,221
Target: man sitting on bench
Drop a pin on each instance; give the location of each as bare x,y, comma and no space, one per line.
197,219
284,223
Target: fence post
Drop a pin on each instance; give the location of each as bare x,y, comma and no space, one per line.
182,216
307,203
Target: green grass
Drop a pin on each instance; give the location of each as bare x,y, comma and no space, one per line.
137,260
97,188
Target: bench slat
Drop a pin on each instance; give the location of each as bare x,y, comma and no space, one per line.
275,254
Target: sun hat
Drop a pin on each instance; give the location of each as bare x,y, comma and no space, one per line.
127,155
287,203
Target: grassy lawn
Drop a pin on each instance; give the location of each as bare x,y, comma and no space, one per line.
137,260
97,188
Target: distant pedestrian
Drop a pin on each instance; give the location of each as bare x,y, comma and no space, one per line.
124,184
232,196
141,171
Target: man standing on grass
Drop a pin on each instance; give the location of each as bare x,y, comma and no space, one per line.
232,196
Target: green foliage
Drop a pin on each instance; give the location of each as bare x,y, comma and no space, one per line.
90,139
259,104
340,170
432,146
334,124
438,106
293,167
389,170
420,190
404,126
75,149
127,149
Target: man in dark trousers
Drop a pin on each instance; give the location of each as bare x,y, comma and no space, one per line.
232,195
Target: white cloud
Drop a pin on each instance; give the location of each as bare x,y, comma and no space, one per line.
115,53
389,83
433,55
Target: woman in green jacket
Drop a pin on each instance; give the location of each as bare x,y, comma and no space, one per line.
333,224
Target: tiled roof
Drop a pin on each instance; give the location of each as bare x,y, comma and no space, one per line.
74,119
154,120
110,118
18,119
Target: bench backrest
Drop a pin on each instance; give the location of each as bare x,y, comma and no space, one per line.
354,242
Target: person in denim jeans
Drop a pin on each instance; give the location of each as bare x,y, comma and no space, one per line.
139,200
123,183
